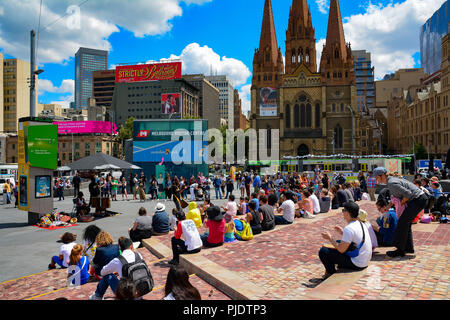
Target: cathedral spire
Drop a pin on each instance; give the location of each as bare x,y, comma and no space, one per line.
300,38
336,63
335,32
268,61
268,35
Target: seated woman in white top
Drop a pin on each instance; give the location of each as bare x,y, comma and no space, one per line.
354,250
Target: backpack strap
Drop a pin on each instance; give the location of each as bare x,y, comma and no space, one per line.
124,263
364,236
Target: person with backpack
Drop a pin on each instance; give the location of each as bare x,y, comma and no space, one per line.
191,244
128,265
354,250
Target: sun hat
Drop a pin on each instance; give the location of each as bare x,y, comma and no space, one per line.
214,213
362,215
160,207
379,171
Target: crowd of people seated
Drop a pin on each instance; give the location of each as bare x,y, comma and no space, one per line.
276,201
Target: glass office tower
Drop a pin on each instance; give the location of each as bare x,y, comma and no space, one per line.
431,35
86,62
365,83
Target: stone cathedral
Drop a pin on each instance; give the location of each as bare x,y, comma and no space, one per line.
314,107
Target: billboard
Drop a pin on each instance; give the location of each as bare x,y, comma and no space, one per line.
393,165
43,187
148,72
268,102
80,127
426,163
170,103
43,146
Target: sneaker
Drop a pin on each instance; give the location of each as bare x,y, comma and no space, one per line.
50,267
409,251
396,253
95,297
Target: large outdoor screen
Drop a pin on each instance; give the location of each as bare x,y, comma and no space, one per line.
83,127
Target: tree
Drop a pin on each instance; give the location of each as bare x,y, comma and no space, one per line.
420,152
125,133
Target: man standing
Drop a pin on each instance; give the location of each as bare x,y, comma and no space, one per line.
76,184
248,181
414,198
371,183
257,183
217,183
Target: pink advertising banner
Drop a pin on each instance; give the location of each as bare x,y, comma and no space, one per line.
80,127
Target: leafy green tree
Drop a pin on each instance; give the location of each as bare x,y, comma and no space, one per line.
420,152
125,133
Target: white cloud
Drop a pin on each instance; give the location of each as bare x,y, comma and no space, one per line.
64,101
197,59
62,33
319,48
390,33
323,6
245,95
46,86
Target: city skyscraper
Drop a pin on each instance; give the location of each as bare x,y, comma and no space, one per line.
365,83
86,62
431,34
16,93
226,98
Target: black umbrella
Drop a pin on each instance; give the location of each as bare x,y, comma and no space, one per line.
102,161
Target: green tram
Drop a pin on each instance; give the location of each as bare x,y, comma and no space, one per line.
344,165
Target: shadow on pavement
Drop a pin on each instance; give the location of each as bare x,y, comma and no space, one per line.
13,225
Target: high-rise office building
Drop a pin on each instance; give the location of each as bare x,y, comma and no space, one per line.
16,92
365,83
103,87
208,99
86,62
226,98
431,35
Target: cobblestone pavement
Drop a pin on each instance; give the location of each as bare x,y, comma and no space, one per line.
283,261
49,285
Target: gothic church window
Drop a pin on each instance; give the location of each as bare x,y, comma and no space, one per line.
296,116
288,116
317,114
338,137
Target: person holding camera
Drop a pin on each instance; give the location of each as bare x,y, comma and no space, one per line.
354,250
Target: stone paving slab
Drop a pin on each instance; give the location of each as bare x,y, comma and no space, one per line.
49,285
282,262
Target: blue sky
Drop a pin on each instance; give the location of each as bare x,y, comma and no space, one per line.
221,28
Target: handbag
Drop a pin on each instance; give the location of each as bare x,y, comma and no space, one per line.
352,250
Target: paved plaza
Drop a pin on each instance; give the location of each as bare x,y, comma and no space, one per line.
276,265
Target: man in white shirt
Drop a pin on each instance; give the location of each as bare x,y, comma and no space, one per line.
355,232
287,209
112,272
192,242
315,201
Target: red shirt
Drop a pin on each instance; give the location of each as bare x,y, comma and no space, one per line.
216,231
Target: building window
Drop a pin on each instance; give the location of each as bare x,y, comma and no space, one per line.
302,116
317,115
308,116
333,108
296,116
288,116
338,137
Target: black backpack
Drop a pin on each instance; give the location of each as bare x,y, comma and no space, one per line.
139,273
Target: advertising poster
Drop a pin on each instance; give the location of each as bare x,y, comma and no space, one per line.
43,146
170,103
393,165
43,187
268,102
148,72
23,193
